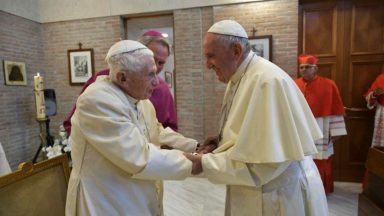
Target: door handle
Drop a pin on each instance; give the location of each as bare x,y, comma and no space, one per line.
355,109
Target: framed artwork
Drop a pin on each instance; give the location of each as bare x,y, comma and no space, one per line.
262,46
15,73
81,66
168,78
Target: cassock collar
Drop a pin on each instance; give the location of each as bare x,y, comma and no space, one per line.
131,100
314,78
241,70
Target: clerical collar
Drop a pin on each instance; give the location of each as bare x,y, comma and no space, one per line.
241,70
106,78
132,101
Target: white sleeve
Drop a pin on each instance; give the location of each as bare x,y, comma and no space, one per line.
165,165
177,141
220,169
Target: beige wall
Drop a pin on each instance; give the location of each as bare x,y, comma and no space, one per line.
198,93
20,40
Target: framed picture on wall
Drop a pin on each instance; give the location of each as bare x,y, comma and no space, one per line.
262,46
81,66
15,73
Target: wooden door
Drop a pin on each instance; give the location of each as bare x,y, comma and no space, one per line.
348,37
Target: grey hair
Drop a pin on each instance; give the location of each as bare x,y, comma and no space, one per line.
145,40
129,61
229,40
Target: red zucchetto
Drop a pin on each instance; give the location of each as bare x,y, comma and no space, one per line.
308,59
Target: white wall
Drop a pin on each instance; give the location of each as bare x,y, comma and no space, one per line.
60,10
29,9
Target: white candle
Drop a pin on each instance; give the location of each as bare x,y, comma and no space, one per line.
39,82
39,96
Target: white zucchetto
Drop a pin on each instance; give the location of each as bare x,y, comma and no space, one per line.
228,27
124,46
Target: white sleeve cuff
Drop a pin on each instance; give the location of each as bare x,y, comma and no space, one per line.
165,165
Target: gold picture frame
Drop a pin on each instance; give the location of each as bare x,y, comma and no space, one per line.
15,73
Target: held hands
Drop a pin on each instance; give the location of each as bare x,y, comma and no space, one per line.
209,145
197,167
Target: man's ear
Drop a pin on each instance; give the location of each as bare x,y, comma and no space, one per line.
237,50
121,77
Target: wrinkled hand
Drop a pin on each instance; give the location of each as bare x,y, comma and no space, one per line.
209,145
197,166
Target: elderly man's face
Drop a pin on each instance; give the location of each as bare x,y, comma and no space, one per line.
140,84
160,52
220,58
308,71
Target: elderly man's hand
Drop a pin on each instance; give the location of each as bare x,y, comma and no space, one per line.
209,145
197,166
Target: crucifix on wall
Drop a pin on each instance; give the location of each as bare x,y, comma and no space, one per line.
254,30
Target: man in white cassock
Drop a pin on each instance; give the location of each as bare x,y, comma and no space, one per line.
116,137
266,137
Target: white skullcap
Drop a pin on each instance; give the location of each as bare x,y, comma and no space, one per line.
124,46
228,27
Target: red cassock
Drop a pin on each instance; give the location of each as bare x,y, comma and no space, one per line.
378,83
324,100
322,96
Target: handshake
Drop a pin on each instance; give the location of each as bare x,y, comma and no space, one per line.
208,146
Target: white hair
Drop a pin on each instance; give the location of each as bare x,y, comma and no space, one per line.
228,40
129,61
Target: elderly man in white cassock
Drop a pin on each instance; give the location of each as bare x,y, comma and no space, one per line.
266,135
116,137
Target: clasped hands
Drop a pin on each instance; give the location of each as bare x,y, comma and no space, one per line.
208,146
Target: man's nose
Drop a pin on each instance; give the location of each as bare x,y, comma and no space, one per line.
209,65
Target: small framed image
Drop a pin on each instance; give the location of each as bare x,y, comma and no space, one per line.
168,78
262,46
81,66
15,73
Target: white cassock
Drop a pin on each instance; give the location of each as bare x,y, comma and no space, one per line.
4,165
116,157
268,137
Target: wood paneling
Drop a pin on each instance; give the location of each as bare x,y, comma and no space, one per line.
367,28
349,40
320,20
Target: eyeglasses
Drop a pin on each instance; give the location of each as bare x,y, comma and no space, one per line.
305,66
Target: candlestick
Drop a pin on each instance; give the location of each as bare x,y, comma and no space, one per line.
39,96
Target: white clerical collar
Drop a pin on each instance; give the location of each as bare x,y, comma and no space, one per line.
106,78
240,71
132,101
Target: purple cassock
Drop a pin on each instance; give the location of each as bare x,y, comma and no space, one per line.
161,99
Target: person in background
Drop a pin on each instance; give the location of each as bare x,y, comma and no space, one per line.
375,99
115,140
266,135
325,102
161,98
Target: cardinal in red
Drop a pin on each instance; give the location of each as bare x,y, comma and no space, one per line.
325,102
